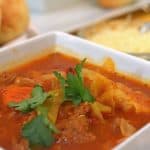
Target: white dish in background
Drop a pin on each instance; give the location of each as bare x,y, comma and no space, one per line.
73,15
49,5
40,45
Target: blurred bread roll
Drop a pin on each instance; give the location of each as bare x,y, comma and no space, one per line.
114,3
14,19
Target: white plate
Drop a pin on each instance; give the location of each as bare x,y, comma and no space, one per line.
57,15
17,54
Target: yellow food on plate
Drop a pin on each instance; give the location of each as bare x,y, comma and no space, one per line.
14,19
121,33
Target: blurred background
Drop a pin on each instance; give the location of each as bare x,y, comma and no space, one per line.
67,15
121,24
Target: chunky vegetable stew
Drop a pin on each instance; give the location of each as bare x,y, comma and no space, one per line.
60,103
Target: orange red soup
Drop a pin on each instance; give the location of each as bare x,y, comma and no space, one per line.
80,128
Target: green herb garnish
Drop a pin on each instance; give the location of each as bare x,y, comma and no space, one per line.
40,130
38,97
37,132
74,89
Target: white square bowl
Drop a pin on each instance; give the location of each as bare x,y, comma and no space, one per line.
18,54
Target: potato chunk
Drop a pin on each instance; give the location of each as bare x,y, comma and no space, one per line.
115,94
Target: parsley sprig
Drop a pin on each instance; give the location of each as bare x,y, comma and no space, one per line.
73,86
39,131
38,97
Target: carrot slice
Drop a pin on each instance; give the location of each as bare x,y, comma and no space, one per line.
15,94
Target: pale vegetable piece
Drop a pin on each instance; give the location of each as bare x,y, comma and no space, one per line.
120,97
128,99
96,82
54,105
98,114
115,94
105,90
107,97
117,99
126,128
109,64
99,108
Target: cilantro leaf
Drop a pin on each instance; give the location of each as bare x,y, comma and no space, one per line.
38,97
87,97
78,69
37,132
61,79
73,86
